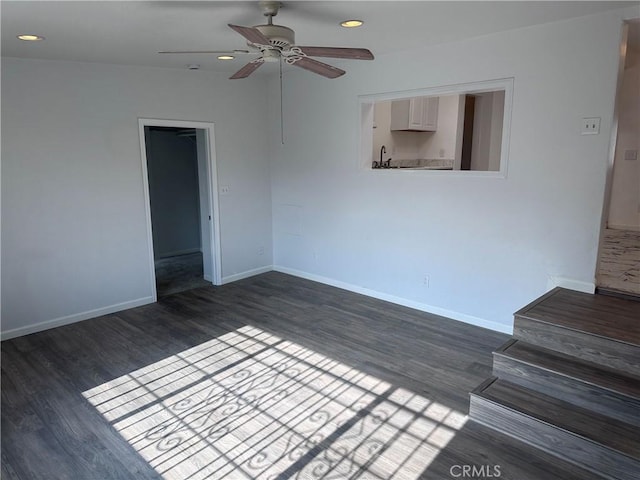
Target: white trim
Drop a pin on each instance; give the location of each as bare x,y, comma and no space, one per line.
482,86
571,284
147,210
613,141
76,317
214,201
450,314
212,180
423,307
249,273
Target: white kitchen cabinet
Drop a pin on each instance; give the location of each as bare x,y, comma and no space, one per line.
418,114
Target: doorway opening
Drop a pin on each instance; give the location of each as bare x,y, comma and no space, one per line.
619,256
180,189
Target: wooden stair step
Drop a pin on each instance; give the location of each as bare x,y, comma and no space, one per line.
601,444
588,312
571,379
518,460
602,329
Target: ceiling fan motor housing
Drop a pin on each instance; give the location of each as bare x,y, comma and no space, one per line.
278,35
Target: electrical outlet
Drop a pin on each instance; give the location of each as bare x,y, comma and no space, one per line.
590,126
260,250
225,190
425,281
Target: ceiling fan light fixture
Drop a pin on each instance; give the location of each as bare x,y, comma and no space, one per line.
29,37
353,23
270,56
226,57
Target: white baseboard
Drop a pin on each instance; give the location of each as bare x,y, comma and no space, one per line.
423,307
571,284
249,273
479,322
77,317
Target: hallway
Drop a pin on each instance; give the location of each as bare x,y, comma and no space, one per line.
179,273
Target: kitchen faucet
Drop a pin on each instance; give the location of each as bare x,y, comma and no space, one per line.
382,163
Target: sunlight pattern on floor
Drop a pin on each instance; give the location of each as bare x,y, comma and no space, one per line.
249,405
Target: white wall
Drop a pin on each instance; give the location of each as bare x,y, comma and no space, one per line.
624,210
206,215
443,140
399,145
415,145
489,245
497,121
382,131
487,131
74,239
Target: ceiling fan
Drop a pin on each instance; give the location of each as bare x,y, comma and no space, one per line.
274,43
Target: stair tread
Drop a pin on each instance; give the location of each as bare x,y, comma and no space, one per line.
528,461
568,365
601,315
590,425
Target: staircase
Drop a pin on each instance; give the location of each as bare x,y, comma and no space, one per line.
568,382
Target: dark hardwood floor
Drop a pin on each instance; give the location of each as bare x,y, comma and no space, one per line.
75,399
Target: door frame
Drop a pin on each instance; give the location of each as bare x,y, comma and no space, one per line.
212,194
613,140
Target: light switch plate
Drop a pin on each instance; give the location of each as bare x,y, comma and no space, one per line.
630,154
590,126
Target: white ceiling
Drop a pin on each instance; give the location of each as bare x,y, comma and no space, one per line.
132,32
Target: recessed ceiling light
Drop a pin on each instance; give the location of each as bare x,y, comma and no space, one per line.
226,57
30,37
352,23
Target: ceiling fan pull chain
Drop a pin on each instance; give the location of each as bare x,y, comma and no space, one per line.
281,107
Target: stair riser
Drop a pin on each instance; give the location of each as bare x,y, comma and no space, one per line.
604,461
593,397
592,348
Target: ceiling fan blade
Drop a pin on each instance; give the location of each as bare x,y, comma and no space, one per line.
318,67
218,52
247,70
338,52
251,34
